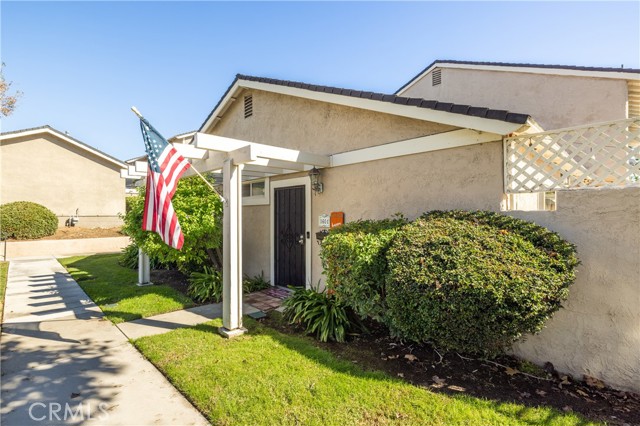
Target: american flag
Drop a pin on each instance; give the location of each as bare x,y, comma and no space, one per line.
165,168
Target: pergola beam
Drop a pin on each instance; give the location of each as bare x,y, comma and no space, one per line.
222,144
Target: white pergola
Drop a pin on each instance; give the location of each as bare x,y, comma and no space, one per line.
237,160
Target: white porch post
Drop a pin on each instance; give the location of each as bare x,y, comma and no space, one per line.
232,251
144,269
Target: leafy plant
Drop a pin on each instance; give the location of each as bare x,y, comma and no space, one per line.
255,283
205,286
129,259
354,259
475,281
24,220
199,211
320,313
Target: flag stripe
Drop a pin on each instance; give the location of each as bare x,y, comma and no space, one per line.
166,166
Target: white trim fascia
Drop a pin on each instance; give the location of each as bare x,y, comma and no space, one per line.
64,138
231,96
528,70
453,139
307,220
425,114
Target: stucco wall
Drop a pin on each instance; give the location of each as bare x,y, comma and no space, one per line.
598,331
317,127
50,172
553,101
255,247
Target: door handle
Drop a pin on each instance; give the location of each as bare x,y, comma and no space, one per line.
301,239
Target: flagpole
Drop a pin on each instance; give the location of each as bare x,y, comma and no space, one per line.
136,112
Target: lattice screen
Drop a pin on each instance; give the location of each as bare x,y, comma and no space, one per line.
602,155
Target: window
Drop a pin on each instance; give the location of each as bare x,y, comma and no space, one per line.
255,192
534,201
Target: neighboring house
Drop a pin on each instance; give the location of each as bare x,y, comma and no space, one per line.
556,96
49,167
383,154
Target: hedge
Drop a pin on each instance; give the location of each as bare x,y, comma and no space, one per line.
354,259
475,281
24,220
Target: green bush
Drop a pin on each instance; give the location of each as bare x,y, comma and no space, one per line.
354,259
319,313
129,259
199,211
205,286
475,281
255,283
24,220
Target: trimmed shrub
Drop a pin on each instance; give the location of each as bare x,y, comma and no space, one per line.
24,220
475,281
320,313
354,259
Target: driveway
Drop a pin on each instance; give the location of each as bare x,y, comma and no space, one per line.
62,363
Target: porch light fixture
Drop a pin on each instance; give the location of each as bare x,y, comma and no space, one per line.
316,184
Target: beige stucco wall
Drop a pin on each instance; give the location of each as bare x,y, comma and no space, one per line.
51,172
256,248
317,127
598,331
553,101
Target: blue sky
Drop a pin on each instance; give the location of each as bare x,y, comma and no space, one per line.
82,65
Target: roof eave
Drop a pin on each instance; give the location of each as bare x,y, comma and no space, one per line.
499,127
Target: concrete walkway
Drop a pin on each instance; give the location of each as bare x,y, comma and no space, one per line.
163,323
61,359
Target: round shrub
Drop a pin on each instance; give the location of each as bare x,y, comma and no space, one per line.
475,281
354,259
24,220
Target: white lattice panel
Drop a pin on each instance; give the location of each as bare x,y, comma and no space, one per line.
601,155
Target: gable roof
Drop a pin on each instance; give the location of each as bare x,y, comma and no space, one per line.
570,70
479,118
66,138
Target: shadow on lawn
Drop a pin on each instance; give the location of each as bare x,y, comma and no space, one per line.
306,348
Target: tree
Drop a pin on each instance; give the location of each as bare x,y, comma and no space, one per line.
199,211
7,101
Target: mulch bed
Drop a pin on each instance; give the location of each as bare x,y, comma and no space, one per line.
171,278
75,232
505,379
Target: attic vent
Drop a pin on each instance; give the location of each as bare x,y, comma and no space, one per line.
248,106
436,77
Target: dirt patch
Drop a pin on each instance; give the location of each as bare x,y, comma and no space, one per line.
74,232
171,278
505,379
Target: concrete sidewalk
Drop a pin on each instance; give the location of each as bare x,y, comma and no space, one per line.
164,323
61,359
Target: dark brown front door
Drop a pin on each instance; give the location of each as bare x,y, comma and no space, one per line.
289,236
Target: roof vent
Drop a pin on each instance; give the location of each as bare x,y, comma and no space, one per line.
248,106
436,77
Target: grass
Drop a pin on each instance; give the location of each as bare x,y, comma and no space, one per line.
270,378
4,269
114,289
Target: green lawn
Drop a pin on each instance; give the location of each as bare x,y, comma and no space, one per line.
114,289
4,268
269,378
